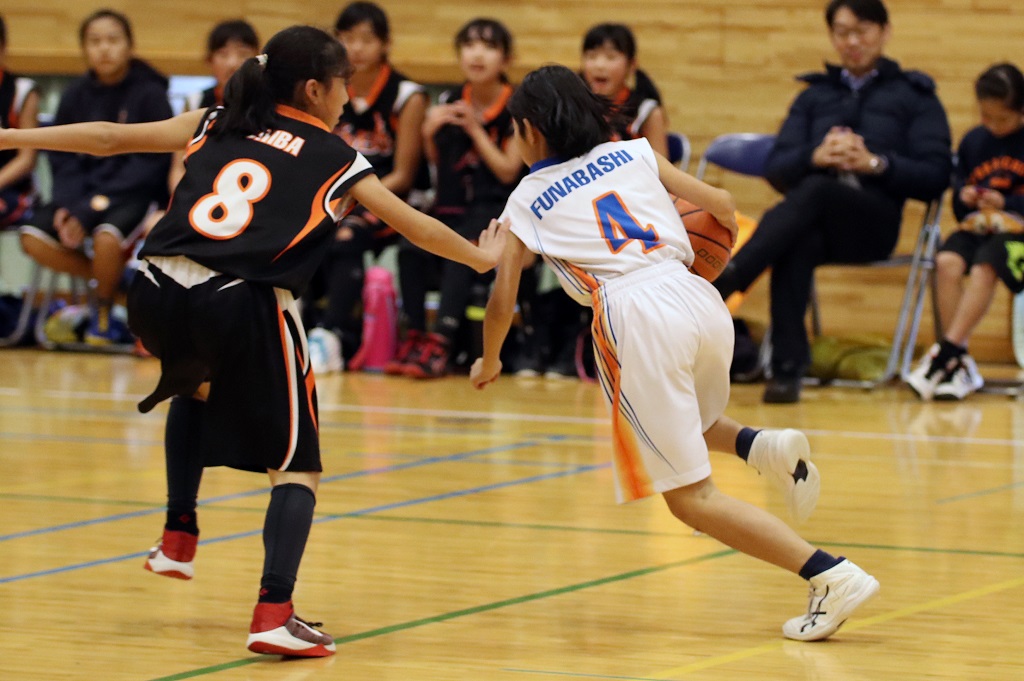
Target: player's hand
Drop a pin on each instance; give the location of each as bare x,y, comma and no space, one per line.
437,117
725,213
464,117
71,232
492,242
482,374
832,151
969,196
990,199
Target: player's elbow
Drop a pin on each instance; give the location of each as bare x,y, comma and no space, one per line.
107,139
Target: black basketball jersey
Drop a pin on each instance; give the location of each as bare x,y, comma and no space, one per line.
13,91
264,207
368,125
462,176
632,110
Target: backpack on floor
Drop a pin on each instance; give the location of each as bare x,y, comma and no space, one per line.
380,322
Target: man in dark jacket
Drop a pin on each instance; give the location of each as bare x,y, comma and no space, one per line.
102,197
860,140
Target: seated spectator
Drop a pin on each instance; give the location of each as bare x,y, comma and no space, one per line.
105,198
609,65
468,140
988,200
383,122
863,137
229,44
20,100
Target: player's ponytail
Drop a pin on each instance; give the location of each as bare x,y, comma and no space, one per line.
556,101
292,57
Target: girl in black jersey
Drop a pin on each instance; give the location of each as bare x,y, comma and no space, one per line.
988,201
608,64
382,122
468,141
265,184
19,108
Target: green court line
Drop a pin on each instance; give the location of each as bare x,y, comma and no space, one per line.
506,525
518,600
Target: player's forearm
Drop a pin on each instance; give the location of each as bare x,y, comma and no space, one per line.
432,235
19,168
96,138
497,322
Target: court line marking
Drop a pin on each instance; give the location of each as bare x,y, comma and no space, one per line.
486,607
323,519
980,493
514,526
265,490
754,651
543,418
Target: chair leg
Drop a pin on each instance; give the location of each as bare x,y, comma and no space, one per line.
28,303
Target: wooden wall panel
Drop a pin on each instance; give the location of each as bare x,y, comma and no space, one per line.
722,65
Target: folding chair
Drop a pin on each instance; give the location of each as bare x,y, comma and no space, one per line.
679,150
921,262
746,154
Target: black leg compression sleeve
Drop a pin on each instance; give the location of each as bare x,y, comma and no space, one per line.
285,530
184,464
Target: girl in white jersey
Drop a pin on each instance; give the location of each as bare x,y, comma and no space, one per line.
599,215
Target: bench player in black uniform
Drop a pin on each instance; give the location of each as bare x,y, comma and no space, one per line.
382,121
265,185
468,139
19,108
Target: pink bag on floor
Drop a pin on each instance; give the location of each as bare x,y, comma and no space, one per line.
380,322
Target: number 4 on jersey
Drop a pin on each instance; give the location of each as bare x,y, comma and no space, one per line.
618,225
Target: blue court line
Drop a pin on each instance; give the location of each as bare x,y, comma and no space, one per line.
980,493
323,519
264,490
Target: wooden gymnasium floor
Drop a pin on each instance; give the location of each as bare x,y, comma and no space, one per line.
473,536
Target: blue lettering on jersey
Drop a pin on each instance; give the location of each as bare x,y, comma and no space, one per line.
561,188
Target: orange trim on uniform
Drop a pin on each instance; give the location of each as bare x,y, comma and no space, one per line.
621,96
302,116
376,88
310,382
586,278
495,109
630,470
317,213
194,147
292,399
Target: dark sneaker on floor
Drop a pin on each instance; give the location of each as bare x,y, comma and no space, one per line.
105,329
276,630
409,348
782,390
431,361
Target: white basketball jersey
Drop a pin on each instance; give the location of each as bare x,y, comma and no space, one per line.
598,216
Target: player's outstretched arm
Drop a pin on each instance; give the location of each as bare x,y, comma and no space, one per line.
100,138
428,233
498,318
716,201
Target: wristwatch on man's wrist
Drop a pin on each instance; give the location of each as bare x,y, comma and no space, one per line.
878,164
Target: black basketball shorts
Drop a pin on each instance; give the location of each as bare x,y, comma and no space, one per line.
247,340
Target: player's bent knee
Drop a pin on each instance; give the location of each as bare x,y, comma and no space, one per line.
688,503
